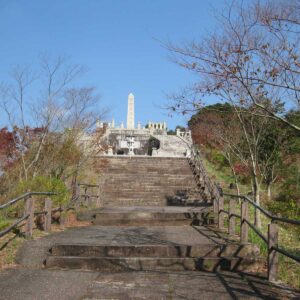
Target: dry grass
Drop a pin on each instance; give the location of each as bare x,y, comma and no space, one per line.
10,243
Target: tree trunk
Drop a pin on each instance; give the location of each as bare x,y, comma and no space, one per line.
269,192
234,174
256,196
236,184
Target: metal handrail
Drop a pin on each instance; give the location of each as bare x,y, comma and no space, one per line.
25,196
11,227
211,185
22,197
217,197
270,216
260,234
11,202
264,211
88,185
286,253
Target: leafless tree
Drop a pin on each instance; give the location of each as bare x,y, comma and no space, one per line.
47,100
253,55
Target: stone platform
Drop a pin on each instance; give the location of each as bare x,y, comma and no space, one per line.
148,215
147,248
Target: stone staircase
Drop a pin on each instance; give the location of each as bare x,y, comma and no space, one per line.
153,236
152,248
146,181
148,216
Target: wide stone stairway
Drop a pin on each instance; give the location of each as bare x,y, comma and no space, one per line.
139,247
146,181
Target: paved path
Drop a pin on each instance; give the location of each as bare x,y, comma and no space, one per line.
31,280
155,209
38,284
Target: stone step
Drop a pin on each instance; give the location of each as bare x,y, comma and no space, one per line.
155,180
145,181
133,202
175,180
171,201
117,264
142,186
202,250
180,187
115,212
152,170
146,194
149,222
150,173
149,218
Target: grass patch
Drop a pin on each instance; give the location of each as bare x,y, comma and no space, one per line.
255,239
11,243
289,271
224,177
4,223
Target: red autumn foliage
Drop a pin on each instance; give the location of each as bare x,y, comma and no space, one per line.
241,169
10,142
7,142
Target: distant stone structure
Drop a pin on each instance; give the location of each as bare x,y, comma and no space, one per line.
138,140
130,112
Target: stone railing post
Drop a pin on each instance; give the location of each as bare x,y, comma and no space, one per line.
220,212
216,206
85,194
29,210
48,211
77,196
231,227
272,254
244,220
99,194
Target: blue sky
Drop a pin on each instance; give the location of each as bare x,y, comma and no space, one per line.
115,39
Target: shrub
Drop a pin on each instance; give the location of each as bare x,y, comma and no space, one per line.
45,184
216,157
288,208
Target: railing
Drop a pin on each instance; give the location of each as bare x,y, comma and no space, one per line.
271,239
84,193
186,134
217,199
29,214
203,180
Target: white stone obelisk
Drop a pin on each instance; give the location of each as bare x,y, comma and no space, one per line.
130,112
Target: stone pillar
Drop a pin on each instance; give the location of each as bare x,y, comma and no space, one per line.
29,211
130,112
48,210
272,253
